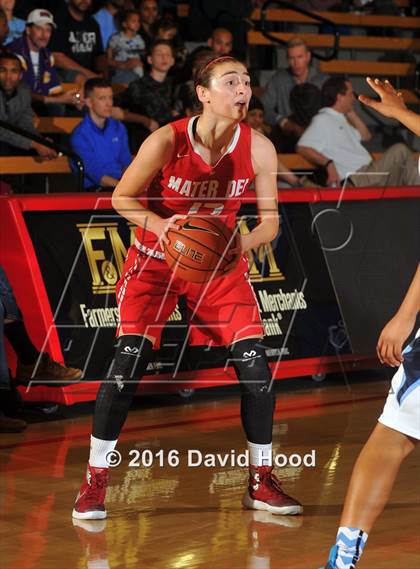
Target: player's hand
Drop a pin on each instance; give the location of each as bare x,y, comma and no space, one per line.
391,100
392,338
162,226
333,177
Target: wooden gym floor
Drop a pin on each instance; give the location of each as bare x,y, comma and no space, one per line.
166,517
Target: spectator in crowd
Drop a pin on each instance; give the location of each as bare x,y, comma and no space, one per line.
106,17
255,119
16,25
255,116
333,140
32,365
276,97
149,14
153,94
15,108
205,15
221,41
186,101
304,102
126,49
4,30
167,29
100,140
77,43
39,72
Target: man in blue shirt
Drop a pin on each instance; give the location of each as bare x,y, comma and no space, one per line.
99,140
106,19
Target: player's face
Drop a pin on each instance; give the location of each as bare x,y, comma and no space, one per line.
161,58
149,11
230,91
132,23
39,34
10,75
221,43
100,101
255,119
298,58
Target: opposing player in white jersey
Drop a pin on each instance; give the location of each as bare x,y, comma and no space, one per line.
398,430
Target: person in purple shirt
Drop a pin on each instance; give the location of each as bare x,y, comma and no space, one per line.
99,140
39,71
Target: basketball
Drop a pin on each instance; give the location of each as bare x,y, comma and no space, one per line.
197,250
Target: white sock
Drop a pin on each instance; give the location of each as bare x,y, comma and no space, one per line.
98,564
99,448
259,562
260,455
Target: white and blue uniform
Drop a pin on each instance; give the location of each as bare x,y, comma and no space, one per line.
402,407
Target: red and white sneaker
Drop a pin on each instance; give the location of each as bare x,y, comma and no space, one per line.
265,493
91,497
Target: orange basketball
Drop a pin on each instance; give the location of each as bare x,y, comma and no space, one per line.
197,250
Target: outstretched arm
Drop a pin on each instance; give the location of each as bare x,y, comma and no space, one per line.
391,104
399,327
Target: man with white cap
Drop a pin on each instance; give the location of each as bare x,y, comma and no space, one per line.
39,72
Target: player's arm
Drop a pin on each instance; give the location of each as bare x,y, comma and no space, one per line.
399,327
153,155
391,104
264,160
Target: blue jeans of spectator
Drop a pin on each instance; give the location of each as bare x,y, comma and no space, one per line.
8,311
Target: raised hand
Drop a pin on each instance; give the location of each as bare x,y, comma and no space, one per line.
391,102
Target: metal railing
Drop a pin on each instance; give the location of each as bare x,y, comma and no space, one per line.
320,19
59,148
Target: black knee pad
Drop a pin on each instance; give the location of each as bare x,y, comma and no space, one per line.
132,356
116,392
258,397
251,366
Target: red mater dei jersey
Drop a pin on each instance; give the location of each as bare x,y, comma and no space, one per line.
189,186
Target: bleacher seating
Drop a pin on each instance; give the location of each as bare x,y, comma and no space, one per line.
350,19
358,68
60,165
374,43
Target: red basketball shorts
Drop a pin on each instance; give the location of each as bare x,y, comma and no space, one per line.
220,312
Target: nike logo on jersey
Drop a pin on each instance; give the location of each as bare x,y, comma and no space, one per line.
187,225
181,155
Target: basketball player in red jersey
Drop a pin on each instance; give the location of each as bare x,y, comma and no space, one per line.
199,165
